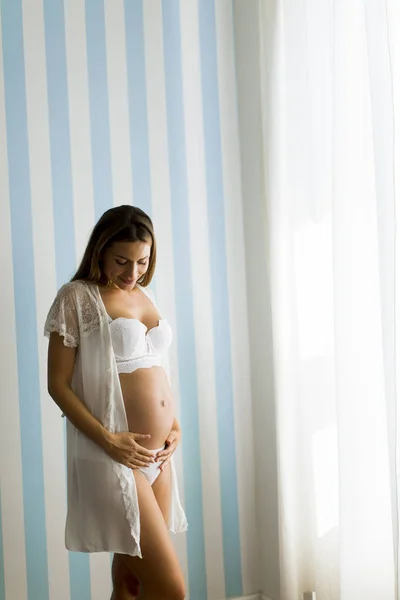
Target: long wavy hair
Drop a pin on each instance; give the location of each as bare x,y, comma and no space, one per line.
123,223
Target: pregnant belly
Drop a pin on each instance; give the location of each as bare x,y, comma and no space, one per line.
149,404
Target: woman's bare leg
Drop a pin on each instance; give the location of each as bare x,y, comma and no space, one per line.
125,585
158,571
162,489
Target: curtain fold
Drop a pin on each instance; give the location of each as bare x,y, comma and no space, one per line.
330,75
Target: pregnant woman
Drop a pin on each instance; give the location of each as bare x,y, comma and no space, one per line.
108,372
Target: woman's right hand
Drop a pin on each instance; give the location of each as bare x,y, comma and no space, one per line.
124,448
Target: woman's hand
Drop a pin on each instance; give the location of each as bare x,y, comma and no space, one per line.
171,443
124,448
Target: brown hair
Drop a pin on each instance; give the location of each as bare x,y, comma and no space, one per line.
123,223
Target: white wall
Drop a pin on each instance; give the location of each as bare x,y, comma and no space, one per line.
104,103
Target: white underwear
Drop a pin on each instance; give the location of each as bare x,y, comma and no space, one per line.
153,470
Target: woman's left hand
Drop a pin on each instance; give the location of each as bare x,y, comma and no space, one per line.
171,444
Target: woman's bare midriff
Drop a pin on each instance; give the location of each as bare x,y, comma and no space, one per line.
149,404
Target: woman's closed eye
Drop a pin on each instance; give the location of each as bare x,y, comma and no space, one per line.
143,263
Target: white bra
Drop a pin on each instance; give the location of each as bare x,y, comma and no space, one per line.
135,347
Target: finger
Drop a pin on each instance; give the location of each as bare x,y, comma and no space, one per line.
136,454
160,456
145,452
164,458
138,460
164,464
141,436
139,464
166,452
146,460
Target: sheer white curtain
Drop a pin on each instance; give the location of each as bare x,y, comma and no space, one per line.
331,115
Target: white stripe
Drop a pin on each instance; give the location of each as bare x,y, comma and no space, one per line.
202,299
237,295
10,438
100,575
161,208
79,122
118,102
45,287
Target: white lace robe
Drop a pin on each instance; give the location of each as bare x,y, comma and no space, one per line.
103,510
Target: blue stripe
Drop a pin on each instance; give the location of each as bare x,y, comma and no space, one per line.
2,579
60,146
220,299
138,119
63,213
99,113
184,302
25,301
79,576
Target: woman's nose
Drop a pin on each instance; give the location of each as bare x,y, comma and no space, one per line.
133,271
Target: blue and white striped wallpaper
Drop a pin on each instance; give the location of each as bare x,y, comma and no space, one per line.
107,102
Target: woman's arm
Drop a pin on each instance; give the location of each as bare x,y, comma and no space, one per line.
60,368
171,443
123,447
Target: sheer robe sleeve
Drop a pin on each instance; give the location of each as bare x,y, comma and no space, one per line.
63,317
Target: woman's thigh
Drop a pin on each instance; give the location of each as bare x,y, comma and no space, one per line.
159,568
162,489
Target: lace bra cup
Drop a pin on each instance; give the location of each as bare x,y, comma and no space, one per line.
130,338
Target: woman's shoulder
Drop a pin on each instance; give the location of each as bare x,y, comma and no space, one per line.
78,295
74,312
77,287
147,292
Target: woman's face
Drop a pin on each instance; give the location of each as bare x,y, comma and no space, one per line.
125,262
